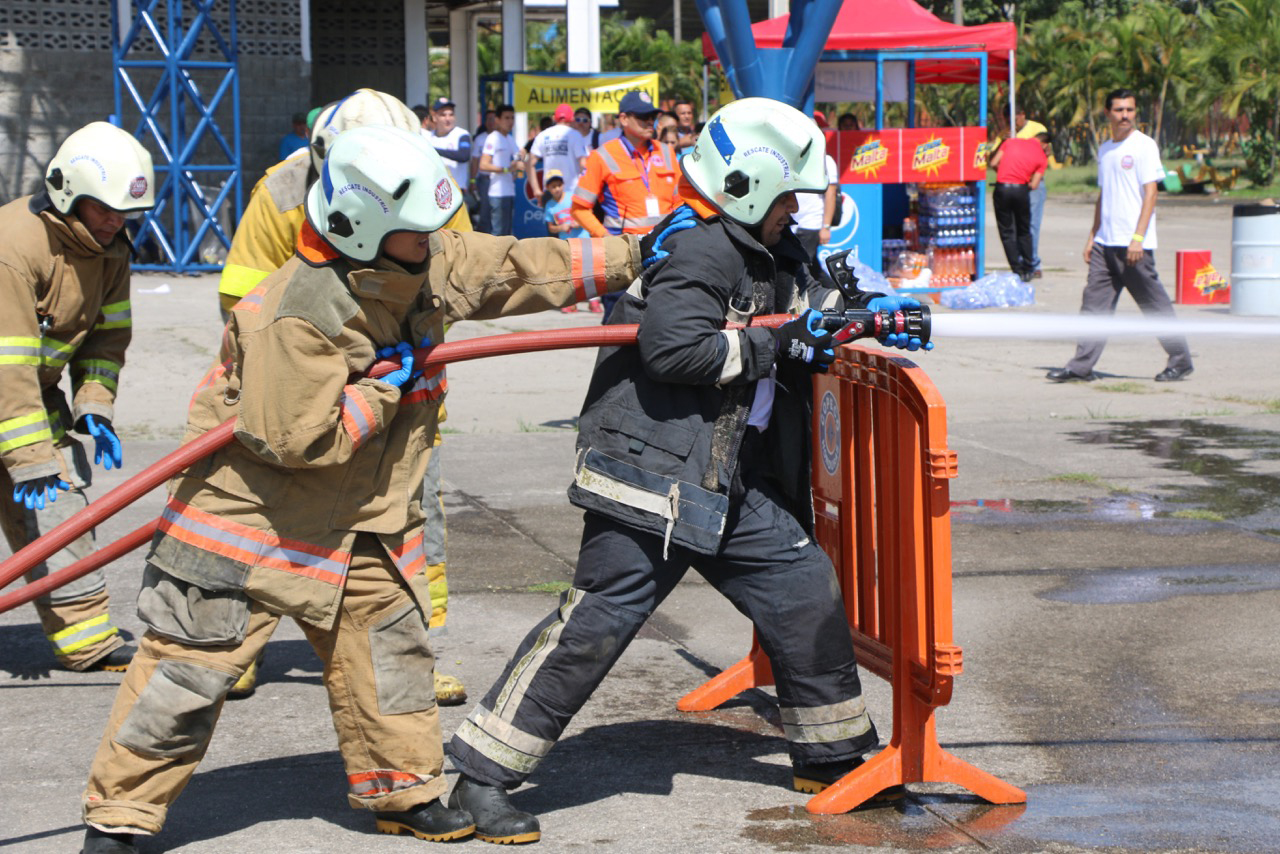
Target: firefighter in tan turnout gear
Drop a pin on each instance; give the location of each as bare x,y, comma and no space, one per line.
265,240
64,292
314,512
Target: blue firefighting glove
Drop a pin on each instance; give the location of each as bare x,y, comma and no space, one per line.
106,444
804,340
901,340
651,251
32,493
404,352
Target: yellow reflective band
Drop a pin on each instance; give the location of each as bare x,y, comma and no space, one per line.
99,371
82,634
237,281
24,430
55,353
19,350
117,315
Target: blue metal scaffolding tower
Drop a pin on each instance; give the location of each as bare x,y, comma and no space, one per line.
178,118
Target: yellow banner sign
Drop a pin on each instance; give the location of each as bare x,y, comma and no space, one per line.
600,93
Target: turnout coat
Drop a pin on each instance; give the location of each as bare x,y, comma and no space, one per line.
322,453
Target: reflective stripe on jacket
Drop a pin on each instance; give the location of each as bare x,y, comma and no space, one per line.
64,303
321,456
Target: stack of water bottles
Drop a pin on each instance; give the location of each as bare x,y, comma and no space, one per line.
948,227
994,290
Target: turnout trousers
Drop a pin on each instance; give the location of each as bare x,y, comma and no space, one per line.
74,617
377,670
1109,275
766,566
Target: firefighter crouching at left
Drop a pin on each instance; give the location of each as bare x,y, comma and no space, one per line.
64,292
314,512
264,241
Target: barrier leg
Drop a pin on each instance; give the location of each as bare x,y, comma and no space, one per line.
751,672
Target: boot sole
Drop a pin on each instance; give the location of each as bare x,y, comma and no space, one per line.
814,787
113,668
396,828
515,839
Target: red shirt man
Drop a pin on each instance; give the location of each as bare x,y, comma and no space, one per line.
1019,159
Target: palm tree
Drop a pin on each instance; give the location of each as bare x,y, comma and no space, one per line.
1247,38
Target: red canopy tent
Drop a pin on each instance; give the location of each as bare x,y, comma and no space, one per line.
902,25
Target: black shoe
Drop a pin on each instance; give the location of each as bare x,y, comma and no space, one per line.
433,822
1170,375
812,779
116,661
100,842
1062,375
496,820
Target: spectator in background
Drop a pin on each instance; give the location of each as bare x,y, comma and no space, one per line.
1020,166
480,180
582,124
820,119
543,123
633,180
1120,247
815,212
1024,129
562,150
557,214
295,138
453,144
684,124
425,125
848,121
502,159
670,135
610,128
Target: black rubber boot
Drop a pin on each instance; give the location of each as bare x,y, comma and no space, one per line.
116,661
100,842
496,820
433,822
812,779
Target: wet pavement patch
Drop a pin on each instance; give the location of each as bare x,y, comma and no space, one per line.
1133,586
1226,456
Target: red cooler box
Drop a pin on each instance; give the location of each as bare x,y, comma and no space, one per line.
1198,282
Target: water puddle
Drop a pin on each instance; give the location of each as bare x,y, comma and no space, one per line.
1238,470
1132,586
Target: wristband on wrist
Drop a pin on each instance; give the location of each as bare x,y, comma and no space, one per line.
1139,237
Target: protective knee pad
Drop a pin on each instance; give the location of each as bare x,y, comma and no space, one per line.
402,663
175,713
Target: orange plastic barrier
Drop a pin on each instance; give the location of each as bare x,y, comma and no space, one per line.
882,505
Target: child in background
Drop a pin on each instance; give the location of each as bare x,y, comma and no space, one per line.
556,212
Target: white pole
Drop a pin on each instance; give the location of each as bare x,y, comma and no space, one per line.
417,53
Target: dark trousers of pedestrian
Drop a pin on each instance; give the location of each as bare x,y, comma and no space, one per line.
1109,275
482,221
501,212
1012,204
766,566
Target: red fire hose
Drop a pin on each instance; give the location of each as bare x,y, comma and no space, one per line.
151,477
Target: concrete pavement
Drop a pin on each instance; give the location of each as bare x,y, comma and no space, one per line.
1115,550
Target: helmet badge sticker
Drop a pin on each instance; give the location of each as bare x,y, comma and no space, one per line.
138,187
720,137
444,194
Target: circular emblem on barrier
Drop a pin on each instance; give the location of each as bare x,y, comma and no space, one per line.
444,194
829,432
138,187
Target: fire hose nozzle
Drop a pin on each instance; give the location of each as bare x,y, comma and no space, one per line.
854,323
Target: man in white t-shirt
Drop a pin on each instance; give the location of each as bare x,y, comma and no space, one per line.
815,212
561,148
1120,247
451,142
501,159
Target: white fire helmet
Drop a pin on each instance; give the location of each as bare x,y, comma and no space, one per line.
379,180
104,163
362,108
750,153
